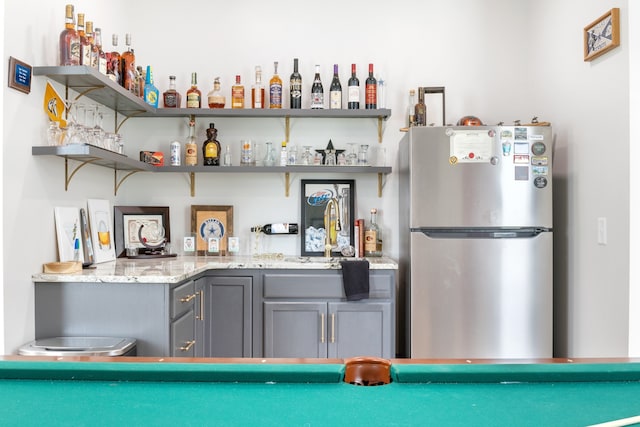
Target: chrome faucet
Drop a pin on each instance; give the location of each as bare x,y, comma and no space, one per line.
330,242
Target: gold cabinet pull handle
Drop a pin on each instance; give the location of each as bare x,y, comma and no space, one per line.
187,298
201,314
322,328
333,328
188,345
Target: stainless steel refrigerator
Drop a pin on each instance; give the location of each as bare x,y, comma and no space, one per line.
477,241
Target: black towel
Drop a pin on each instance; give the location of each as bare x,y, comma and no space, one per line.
355,279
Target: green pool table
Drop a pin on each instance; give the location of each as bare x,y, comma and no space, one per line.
210,392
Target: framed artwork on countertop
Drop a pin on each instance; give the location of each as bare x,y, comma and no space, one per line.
101,230
315,195
211,223
129,219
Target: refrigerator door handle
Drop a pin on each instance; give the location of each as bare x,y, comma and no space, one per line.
480,233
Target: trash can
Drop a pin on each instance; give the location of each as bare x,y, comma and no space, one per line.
79,346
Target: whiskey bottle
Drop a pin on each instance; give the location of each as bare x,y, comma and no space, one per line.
194,96
335,90
215,98
317,91
101,57
295,87
190,146
113,61
275,88
211,147
354,90
151,93
140,79
420,109
411,113
171,98
372,237
69,40
85,45
257,90
128,66
371,91
237,94
90,34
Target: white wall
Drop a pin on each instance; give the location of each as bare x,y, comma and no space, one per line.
500,60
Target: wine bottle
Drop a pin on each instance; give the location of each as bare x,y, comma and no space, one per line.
335,90
354,90
280,228
295,87
371,91
317,91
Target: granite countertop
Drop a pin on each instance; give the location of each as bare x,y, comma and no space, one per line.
175,270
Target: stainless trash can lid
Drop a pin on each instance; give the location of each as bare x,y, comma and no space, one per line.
78,346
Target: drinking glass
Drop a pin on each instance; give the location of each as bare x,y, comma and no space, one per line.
306,158
352,156
363,155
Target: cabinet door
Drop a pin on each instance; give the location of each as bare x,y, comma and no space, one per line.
182,336
227,316
295,329
360,329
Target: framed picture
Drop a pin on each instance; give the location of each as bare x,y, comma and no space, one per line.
602,35
69,234
315,197
101,230
19,75
127,222
211,222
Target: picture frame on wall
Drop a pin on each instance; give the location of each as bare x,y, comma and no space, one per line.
315,195
101,230
127,222
210,223
602,35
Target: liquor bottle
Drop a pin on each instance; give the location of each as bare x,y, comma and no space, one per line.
128,65
354,90
90,34
69,40
411,113
280,228
370,91
372,237
194,96
335,90
85,45
237,94
113,61
211,147
284,154
151,92
140,79
171,98
317,92
275,88
100,55
295,87
190,146
215,98
257,90
420,109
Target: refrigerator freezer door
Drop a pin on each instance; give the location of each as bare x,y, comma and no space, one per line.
481,298
480,176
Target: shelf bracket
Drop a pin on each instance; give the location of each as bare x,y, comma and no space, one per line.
117,125
287,128
287,184
380,184
192,179
116,183
380,120
81,94
67,176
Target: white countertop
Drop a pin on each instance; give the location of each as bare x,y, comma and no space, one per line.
175,270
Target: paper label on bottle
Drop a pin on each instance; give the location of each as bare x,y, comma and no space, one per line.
354,93
336,99
370,241
275,95
282,228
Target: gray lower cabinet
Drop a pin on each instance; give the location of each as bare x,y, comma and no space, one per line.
227,323
305,314
159,316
